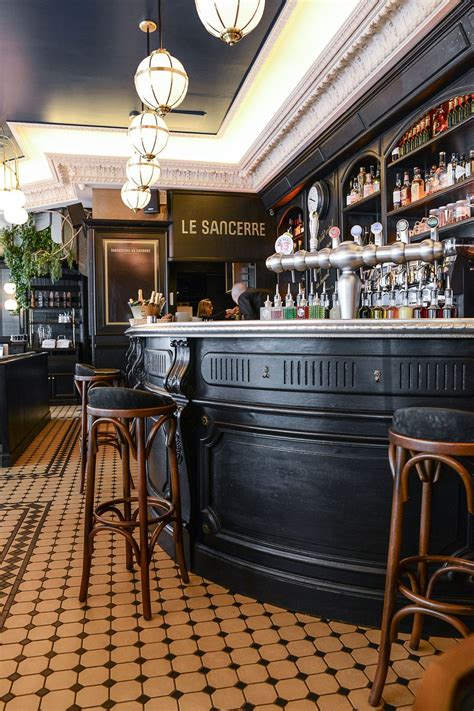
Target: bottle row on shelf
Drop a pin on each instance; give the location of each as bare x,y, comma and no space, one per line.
389,292
50,299
446,116
440,177
364,184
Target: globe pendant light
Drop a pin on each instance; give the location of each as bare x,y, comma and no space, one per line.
230,19
16,215
148,133
142,171
160,80
134,197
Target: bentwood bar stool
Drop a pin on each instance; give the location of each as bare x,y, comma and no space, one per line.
426,440
117,407
87,377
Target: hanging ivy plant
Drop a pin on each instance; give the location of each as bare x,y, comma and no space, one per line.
29,254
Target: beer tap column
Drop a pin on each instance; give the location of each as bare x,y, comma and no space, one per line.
348,257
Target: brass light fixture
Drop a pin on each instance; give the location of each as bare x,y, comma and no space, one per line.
230,20
12,199
160,80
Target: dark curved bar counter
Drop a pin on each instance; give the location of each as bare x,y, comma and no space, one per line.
284,436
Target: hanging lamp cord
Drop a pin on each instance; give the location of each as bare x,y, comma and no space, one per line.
160,26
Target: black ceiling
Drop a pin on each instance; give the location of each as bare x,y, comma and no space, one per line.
73,61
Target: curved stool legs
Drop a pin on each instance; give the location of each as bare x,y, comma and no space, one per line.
127,521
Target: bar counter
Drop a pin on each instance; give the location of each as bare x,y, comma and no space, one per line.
24,402
283,449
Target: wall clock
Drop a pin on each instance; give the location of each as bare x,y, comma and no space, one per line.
318,198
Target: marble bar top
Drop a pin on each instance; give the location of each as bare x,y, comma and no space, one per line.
426,328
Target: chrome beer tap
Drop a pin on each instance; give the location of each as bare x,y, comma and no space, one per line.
349,257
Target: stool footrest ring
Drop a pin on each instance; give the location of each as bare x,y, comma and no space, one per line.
152,501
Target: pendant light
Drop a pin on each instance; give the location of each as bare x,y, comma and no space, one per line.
142,171
12,199
134,197
148,133
230,20
160,80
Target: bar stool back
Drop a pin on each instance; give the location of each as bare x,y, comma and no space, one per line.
87,377
118,406
423,439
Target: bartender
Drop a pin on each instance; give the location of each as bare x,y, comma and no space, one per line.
249,301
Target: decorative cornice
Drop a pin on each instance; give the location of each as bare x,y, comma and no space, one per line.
387,30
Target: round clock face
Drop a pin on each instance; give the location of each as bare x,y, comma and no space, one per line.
318,198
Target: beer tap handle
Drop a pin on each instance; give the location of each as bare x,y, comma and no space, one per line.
433,223
377,230
403,233
356,233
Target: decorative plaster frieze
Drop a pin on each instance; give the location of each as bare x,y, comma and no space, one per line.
389,29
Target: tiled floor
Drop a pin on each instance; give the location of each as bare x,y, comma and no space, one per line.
204,649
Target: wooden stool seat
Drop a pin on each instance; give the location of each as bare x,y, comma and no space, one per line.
425,440
127,515
86,378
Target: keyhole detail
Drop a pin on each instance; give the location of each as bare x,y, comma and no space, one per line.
266,372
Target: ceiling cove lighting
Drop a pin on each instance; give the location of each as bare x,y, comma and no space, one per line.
230,20
160,80
12,199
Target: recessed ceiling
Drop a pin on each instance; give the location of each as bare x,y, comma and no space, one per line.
73,62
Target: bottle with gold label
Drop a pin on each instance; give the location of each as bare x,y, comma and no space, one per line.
392,310
405,311
417,186
405,190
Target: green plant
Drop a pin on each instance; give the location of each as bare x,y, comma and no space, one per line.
29,254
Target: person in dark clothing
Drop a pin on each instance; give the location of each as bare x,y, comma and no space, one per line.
249,300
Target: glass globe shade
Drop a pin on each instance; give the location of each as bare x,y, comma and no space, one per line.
142,171
11,304
16,215
230,19
161,81
148,133
9,287
16,199
134,197
4,199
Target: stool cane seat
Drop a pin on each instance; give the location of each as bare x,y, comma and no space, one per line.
127,399
434,423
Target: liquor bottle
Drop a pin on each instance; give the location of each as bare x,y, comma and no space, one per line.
276,311
460,108
289,310
405,311
441,171
324,302
355,194
56,299
32,300
51,300
392,310
417,186
427,183
302,310
377,180
397,192
300,293
427,130
361,180
365,311
420,309
451,169
368,184
69,300
448,310
467,106
461,169
335,312
434,310
405,191
266,310
39,299
452,114
315,309
349,196
471,160
440,122
377,311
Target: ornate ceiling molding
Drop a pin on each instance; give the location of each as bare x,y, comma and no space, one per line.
376,35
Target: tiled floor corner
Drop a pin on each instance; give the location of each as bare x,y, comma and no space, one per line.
204,649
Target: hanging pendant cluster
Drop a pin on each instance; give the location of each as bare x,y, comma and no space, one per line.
12,198
161,83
